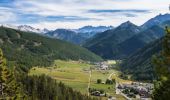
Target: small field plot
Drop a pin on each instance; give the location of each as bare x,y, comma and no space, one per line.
103,75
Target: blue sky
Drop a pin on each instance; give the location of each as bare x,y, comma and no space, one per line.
54,14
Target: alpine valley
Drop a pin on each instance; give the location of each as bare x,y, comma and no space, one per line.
88,63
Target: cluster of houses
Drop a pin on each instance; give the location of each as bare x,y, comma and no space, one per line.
143,90
102,66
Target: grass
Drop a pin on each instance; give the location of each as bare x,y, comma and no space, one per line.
73,73
76,75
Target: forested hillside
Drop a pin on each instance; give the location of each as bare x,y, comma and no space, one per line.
30,49
105,44
139,64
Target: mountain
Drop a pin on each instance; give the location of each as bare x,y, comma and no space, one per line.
77,36
138,41
26,28
67,35
139,63
30,49
105,43
159,19
90,31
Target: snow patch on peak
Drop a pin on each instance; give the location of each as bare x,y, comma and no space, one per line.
26,28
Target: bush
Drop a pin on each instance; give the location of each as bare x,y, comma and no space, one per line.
99,81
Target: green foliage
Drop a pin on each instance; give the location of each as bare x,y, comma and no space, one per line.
139,64
162,66
9,88
108,81
45,88
25,50
33,87
122,42
123,76
29,49
99,81
106,44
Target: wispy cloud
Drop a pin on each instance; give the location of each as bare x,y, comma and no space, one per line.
77,13
119,11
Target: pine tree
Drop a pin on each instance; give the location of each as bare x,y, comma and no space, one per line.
8,85
162,66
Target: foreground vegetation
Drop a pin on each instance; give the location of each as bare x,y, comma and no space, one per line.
162,67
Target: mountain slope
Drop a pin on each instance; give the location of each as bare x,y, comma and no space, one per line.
30,49
156,21
140,40
104,43
66,35
139,63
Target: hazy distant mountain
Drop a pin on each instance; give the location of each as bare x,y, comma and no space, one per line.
26,28
67,35
104,44
156,21
77,36
90,31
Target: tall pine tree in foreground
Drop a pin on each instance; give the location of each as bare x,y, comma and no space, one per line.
162,66
8,85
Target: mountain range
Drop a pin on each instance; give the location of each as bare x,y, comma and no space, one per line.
107,41
90,31
76,36
124,40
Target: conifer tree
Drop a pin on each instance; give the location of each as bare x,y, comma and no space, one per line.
162,66
8,85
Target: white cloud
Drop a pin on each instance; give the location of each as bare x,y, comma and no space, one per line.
80,8
7,16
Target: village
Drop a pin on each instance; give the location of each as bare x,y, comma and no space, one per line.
129,90
136,90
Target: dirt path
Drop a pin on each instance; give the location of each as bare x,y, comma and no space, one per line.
110,76
90,74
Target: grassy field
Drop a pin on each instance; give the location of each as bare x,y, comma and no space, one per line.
76,75
72,73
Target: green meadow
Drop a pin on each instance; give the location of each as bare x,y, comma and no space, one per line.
76,74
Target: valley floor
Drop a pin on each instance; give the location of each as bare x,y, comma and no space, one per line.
81,76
